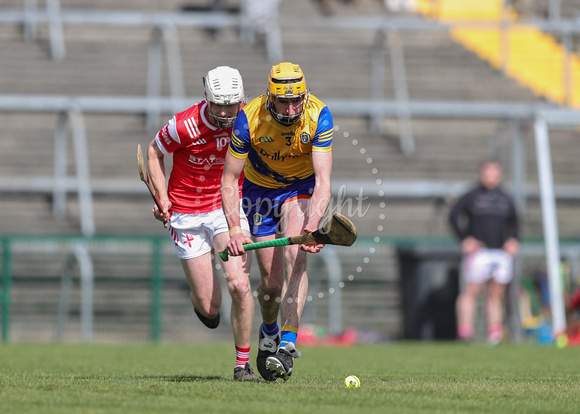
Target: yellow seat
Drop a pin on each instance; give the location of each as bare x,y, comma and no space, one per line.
535,59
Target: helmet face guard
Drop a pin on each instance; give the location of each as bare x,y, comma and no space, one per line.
287,111
287,93
221,115
224,90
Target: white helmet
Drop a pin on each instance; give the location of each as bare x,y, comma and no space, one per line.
224,86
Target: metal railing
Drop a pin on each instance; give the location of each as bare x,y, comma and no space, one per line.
80,256
77,253
72,109
165,26
56,18
113,287
5,294
77,258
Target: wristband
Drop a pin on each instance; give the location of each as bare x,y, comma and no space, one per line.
235,230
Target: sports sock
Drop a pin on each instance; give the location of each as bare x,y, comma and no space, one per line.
289,335
271,329
242,356
465,331
495,332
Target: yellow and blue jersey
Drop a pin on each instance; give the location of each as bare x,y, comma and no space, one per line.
279,155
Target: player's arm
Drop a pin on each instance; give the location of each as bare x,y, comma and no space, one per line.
469,244
231,203
512,244
322,164
454,218
156,166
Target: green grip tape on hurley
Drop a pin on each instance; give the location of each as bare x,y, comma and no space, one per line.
286,241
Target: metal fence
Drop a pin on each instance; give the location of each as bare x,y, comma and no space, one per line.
116,288
132,289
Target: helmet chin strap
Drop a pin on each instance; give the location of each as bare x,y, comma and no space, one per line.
283,119
219,121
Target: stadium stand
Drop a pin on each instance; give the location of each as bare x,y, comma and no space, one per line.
112,60
536,59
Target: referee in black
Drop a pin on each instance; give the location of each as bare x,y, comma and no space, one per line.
485,221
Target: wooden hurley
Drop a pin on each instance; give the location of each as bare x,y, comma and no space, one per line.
338,231
144,175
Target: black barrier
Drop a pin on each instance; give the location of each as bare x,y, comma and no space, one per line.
429,281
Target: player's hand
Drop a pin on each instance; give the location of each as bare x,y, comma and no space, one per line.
162,215
470,245
511,246
311,247
235,246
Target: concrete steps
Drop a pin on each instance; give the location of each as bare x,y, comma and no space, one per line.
113,61
96,64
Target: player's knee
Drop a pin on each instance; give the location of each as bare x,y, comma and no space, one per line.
209,307
496,294
271,287
239,288
212,310
209,311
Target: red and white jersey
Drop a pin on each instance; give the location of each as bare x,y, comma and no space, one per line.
199,151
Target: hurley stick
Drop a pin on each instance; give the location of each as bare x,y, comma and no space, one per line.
144,175
338,231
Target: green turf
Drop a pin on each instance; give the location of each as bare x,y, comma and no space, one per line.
396,378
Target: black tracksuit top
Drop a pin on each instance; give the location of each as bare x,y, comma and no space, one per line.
487,215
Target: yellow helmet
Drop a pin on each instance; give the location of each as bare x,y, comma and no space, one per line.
286,81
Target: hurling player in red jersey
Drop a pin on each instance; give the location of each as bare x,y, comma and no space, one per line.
198,139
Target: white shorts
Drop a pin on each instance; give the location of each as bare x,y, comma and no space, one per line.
193,233
487,264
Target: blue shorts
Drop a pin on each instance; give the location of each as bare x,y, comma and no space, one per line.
263,205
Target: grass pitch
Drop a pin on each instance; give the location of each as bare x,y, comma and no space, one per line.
402,377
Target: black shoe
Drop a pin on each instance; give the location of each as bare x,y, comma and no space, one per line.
266,348
211,323
281,364
246,374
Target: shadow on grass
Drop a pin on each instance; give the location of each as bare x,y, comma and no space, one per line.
183,378
159,378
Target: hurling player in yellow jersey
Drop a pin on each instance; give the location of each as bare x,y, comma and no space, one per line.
283,139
